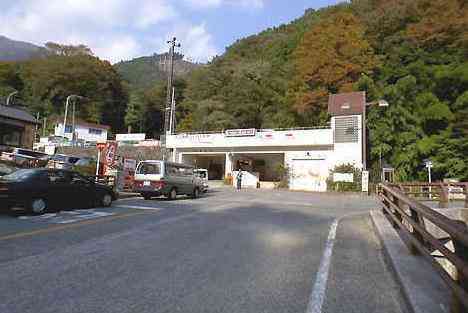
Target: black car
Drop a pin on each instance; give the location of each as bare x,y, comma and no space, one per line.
39,190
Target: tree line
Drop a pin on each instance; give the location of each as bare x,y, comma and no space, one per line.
413,54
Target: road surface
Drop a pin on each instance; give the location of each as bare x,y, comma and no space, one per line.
249,251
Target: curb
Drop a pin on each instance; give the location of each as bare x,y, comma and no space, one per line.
423,290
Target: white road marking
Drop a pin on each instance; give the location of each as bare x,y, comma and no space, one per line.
136,207
88,216
33,217
318,291
67,217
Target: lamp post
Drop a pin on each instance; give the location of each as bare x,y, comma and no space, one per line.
10,96
428,163
66,112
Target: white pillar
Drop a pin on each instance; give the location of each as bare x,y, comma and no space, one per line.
228,164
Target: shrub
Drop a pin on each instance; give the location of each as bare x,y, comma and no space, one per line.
345,186
284,174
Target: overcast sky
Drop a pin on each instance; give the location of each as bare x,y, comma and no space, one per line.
123,29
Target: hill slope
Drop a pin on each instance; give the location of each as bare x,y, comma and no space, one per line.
413,54
143,72
12,50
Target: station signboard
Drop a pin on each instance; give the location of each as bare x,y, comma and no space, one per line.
249,132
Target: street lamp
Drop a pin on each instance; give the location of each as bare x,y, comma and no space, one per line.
66,112
10,96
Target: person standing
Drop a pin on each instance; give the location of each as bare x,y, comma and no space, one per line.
239,180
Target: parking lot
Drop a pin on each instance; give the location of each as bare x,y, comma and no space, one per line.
248,251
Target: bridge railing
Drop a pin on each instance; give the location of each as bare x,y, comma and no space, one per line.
415,223
440,192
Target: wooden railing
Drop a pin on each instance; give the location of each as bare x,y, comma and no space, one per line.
440,192
411,219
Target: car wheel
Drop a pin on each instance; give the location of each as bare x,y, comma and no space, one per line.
172,194
196,193
106,200
38,206
146,196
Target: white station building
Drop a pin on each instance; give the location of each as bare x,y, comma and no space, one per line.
308,153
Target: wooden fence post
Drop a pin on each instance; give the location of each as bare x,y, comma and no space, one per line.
465,189
461,250
444,196
420,221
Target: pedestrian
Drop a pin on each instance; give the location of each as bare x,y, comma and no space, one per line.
239,180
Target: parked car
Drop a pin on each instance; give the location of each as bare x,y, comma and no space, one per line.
202,174
26,158
162,178
62,161
39,190
85,161
6,169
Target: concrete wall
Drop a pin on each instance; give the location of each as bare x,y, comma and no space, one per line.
263,138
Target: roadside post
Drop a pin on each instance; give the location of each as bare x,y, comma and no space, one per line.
365,181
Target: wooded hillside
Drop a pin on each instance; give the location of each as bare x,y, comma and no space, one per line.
413,54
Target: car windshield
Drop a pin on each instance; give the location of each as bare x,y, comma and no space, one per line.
59,158
20,175
149,169
83,162
201,174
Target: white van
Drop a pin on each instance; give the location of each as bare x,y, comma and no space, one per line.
154,178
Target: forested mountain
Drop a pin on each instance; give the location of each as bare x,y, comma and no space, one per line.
11,50
45,83
412,53
143,72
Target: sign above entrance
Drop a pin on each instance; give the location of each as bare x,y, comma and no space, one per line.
250,132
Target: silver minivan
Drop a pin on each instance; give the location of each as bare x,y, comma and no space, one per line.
154,178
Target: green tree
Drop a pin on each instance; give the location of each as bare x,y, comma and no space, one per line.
134,113
52,79
67,50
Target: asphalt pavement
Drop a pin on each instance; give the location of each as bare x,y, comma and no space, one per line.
248,251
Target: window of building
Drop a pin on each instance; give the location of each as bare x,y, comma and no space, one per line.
346,129
95,131
68,129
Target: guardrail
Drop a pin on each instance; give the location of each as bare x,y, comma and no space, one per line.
409,217
441,192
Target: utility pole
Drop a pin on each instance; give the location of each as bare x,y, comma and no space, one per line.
172,125
38,115
44,125
170,79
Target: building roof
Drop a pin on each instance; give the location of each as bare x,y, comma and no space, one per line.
16,113
351,103
80,122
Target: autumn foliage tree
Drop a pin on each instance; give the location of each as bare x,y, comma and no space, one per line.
442,23
331,58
